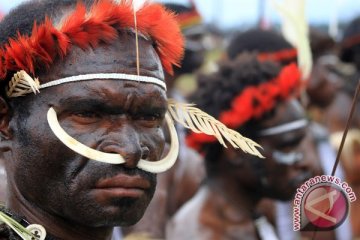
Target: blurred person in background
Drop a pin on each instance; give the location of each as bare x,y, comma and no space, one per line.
325,80
178,185
270,45
350,43
260,100
194,31
338,112
266,44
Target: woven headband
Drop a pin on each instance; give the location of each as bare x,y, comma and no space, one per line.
22,83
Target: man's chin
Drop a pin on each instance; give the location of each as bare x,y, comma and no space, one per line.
124,212
119,212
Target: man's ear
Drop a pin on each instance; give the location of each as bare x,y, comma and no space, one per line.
5,133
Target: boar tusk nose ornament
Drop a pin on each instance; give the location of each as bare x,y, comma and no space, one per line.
112,158
184,114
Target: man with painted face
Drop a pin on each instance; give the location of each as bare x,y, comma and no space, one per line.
82,108
258,98
49,184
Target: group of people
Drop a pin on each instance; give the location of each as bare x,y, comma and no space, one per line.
97,143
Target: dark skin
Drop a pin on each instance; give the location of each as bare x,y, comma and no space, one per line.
180,183
175,187
233,192
79,199
337,114
2,182
283,180
324,84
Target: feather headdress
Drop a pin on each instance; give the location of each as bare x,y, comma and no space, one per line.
101,24
87,29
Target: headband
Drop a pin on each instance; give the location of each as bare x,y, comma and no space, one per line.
22,84
278,56
287,127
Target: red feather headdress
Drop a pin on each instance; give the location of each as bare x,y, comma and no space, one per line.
253,102
101,24
87,29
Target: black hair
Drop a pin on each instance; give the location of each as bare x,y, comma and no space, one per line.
216,92
320,43
178,8
347,53
257,40
21,20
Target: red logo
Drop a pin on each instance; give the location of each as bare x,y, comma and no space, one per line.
326,206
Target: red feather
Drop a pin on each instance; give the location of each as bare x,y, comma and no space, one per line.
83,29
163,28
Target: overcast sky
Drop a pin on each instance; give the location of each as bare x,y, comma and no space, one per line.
232,13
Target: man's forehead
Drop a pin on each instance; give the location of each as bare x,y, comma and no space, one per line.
119,57
100,94
285,112
288,122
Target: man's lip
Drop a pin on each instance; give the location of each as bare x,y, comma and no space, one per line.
123,181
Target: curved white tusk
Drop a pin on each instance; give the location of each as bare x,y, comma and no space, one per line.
77,146
112,158
167,162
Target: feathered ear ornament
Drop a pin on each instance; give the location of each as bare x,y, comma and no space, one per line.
200,122
21,84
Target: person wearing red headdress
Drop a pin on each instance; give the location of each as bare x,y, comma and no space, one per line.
320,92
258,98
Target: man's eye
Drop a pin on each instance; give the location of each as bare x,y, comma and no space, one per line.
148,117
86,114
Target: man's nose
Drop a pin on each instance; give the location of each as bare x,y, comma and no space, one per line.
126,142
306,164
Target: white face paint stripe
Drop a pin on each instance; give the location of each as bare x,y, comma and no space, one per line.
111,158
103,76
284,128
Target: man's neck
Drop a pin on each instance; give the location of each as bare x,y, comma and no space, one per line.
239,203
54,225
227,211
